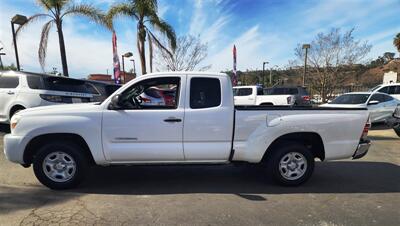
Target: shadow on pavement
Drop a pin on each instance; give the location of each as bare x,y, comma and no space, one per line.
18,198
4,128
329,177
383,138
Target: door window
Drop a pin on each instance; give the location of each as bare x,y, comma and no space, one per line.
205,93
397,90
157,93
9,82
242,91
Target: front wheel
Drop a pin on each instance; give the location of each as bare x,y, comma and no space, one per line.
60,165
291,165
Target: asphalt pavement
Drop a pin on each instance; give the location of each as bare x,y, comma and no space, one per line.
359,192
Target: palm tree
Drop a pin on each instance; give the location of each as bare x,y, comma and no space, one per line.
56,10
396,42
145,13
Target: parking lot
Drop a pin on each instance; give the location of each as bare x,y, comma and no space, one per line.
360,192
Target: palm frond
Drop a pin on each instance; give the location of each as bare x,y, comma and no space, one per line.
164,28
86,10
158,43
31,20
145,7
119,9
42,52
47,5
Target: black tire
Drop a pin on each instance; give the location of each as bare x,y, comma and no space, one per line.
274,169
73,151
397,131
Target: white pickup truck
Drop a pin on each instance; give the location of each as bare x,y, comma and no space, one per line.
201,126
256,95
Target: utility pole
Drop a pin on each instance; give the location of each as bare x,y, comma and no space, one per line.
306,47
263,73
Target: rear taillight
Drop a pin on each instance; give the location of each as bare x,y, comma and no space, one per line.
306,98
364,134
289,99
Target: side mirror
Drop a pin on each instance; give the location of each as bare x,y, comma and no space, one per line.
115,102
373,102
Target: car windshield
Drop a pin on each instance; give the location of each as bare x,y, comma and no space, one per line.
351,99
375,88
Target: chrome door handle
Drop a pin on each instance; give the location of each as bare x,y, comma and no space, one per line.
10,93
173,120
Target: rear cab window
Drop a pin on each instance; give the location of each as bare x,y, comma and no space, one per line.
9,81
205,93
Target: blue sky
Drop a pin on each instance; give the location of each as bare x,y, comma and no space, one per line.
263,30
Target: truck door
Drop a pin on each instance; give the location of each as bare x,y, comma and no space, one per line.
148,124
208,119
8,92
245,96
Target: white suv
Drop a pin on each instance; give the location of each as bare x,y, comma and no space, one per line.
21,90
393,89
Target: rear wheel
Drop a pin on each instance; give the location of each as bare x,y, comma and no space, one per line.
291,165
60,165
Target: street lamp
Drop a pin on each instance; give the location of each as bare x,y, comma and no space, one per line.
306,47
270,74
20,20
1,61
134,69
264,63
127,55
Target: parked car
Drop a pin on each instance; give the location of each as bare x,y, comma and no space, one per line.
381,106
21,90
203,126
256,95
100,90
393,89
155,96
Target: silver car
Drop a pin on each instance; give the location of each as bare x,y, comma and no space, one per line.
380,105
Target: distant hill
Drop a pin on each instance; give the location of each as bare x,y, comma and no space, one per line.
374,76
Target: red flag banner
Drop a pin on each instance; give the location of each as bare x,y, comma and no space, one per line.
234,77
116,65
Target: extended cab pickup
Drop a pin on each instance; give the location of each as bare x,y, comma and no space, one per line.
199,126
256,95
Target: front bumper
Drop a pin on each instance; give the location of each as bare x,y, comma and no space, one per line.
13,148
362,149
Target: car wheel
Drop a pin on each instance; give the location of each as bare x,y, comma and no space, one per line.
60,165
397,131
291,165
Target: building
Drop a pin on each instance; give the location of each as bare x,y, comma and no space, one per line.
126,77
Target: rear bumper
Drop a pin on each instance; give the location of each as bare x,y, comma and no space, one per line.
362,149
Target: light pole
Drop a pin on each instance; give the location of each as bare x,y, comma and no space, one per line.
134,69
128,54
1,61
264,63
270,74
306,47
20,20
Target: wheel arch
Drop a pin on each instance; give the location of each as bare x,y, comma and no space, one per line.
311,140
14,108
35,143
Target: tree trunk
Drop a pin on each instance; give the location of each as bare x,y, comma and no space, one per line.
62,49
150,54
141,37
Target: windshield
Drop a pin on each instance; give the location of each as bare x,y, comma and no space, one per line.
375,88
351,99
